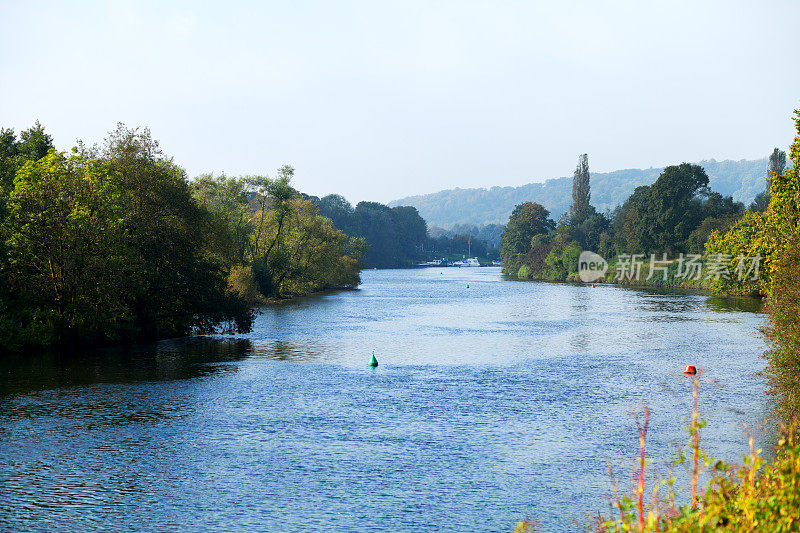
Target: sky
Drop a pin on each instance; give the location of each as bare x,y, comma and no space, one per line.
378,100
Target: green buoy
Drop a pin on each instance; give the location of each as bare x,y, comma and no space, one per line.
373,362
468,286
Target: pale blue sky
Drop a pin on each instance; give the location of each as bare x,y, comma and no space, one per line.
378,100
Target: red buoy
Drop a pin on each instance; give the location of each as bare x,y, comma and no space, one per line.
690,370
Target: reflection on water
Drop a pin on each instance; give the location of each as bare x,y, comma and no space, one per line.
491,403
722,304
166,360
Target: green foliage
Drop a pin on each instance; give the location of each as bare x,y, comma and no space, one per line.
226,199
776,163
760,202
340,212
314,255
488,233
755,496
660,218
594,233
66,258
395,236
581,195
695,243
665,217
113,244
464,239
242,282
459,245
783,332
767,235
561,263
551,257
742,240
105,245
657,277
527,221
278,245
177,283
33,145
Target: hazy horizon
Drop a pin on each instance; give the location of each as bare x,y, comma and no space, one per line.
384,101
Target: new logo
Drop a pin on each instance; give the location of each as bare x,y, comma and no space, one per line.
591,266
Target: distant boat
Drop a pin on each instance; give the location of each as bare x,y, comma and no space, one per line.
469,262
496,263
436,262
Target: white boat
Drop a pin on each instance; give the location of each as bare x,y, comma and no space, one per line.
469,262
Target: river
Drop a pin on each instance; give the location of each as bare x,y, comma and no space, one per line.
494,401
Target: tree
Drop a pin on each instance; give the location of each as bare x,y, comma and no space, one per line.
341,213
580,209
781,330
226,199
695,243
273,198
527,220
177,284
412,231
766,235
760,202
67,259
660,218
394,236
33,145
628,223
776,163
775,166
316,254
280,244
376,225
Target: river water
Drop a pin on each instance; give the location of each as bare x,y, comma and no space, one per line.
494,401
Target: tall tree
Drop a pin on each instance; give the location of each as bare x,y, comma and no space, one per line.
341,213
33,145
580,209
775,167
659,218
777,162
528,220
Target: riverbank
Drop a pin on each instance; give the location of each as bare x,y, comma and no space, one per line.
667,275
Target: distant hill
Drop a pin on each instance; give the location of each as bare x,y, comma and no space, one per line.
741,179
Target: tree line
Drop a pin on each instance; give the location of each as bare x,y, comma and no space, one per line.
395,236
677,214
741,179
112,243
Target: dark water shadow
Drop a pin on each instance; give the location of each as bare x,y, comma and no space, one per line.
172,359
735,304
